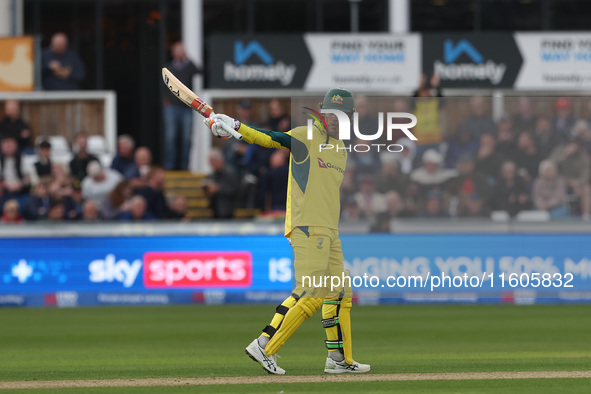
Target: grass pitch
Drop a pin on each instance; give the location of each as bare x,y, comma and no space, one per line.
209,341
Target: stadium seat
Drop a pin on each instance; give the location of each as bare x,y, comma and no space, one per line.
533,216
97,145
59,145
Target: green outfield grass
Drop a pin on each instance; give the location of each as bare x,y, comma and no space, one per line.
208,341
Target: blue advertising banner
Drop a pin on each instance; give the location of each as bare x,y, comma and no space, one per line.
382,267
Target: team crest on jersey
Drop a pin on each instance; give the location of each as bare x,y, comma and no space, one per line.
319,241
321,163
336,99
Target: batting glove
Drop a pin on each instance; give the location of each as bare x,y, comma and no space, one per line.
223,126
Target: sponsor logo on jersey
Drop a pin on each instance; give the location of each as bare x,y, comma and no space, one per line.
321,163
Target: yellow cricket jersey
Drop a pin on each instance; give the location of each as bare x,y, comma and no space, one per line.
316,171
428,128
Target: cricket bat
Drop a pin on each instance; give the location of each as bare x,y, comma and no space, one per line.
188,97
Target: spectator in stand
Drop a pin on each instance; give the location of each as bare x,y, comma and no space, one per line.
278,120
390,178
406,157
433,207
411,199
153,193
42,167
427,109
57,189
62,68
14,126
178,118
510,193
431,174
549,191
142,164
4,195
234,150
563,120
221,186
583,133
56,211
474,205
16,181
117,202
90,211
73,202
137,210
461,144
79,163
528,158
369,202
39,202
275,181
59,172
11,213
525,119
474,190
367,121
546,139
488,160
178,207
394,203
123,162
365,162
479,121
99,182
573,166
506,142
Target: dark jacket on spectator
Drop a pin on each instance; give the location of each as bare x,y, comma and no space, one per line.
506,197
43,168
223,202
156,203
67,59
125,167
10,128
78,166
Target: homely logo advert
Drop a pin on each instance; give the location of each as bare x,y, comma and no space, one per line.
258,62
468,61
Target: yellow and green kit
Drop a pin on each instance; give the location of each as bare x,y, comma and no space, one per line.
316,171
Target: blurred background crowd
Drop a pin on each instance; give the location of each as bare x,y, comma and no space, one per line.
525,161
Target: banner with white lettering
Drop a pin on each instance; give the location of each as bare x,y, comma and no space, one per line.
364,62
470,61
257,62
554,61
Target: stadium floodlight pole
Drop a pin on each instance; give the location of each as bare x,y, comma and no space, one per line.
354,7
398,16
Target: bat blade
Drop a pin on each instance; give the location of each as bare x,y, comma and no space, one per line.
188,97
185,94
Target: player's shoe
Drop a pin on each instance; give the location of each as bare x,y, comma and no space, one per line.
333,366
269,363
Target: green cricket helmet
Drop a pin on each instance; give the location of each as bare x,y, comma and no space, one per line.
340,99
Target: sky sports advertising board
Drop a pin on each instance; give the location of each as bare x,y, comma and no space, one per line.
393,63
390,268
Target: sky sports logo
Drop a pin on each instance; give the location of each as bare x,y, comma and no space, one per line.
197,269
391,119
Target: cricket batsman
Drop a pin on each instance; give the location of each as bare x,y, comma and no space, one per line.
316,170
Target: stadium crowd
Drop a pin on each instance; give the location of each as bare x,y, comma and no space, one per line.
524,161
